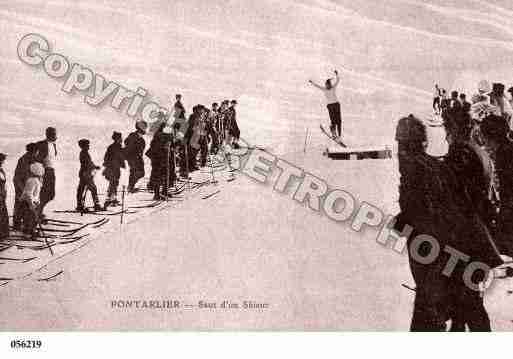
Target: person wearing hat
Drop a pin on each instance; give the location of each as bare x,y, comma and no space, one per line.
454,104
179,109
471,195
465,105
113,162
418,177
213,128
4,215
494,131
134,151
222,120
232,132
21,173
204,132
234,126
30,199
161,155
86,178
47,155
498,99
190,147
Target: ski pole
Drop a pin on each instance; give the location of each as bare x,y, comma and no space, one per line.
122,205
187,166
43,235
306,137
167,170
82,210
212,169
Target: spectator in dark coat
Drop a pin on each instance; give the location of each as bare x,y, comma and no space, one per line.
421,199
432,203
113,162
465,105
4,215
494,131
188,152
232,126
86,176
47,155
21,174
179,109
134,151
471,194
162,162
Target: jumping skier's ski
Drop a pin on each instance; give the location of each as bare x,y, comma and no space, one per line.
337,141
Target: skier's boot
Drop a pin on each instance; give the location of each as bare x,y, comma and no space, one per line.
81,208
98,208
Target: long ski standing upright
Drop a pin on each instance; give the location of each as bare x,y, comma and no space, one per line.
187,166
168,150
211,160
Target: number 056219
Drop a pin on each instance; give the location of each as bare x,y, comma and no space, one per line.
26,344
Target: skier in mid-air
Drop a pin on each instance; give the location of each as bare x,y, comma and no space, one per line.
333,105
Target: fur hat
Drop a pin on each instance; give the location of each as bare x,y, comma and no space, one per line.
141,125
83,143
116,135
410,129
498,88
37,169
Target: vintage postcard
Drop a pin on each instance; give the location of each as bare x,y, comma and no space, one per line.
307,165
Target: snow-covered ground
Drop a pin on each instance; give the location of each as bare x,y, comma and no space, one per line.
246,242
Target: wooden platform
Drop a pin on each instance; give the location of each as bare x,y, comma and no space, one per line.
359,153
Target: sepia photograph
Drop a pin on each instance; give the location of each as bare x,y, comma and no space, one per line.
255,166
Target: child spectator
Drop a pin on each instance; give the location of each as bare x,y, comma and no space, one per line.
21,173
30,198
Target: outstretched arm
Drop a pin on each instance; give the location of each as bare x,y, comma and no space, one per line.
337,79
316,85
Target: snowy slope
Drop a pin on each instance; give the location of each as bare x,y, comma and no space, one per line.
247,241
